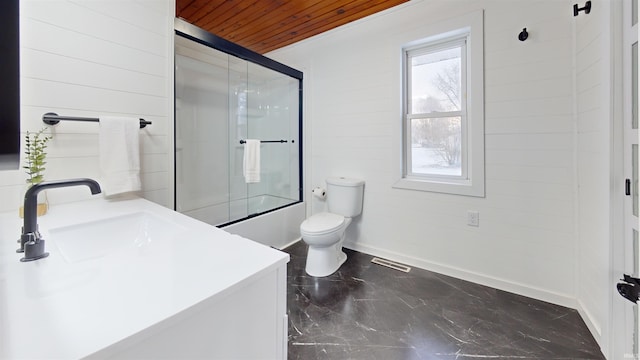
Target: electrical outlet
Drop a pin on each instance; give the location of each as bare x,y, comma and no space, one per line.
473,218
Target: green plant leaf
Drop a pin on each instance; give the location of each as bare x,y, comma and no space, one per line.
35,155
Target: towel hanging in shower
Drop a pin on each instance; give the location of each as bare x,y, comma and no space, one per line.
251,161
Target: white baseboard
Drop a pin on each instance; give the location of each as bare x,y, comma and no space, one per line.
501,284
593,326
289,244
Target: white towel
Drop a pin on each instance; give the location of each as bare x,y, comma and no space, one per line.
251,161
119,155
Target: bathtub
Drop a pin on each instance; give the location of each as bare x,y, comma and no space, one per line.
277,228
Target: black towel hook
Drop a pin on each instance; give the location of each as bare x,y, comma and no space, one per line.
523,35
586,8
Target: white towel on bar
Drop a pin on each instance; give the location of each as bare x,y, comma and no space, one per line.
119,154
251,161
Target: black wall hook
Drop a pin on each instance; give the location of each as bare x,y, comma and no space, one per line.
523,35
586,8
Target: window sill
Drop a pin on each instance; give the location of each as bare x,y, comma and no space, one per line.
461,187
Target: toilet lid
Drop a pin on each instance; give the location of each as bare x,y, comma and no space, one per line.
322,222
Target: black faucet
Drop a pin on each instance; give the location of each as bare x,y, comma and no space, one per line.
31,244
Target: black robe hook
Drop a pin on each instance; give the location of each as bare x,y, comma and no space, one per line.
586,8
523,35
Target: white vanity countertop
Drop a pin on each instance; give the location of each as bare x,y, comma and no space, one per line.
55,309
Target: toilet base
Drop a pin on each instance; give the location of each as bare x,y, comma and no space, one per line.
324,261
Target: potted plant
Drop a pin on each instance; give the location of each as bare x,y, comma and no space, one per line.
35,156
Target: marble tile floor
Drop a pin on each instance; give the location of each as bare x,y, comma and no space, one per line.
367,311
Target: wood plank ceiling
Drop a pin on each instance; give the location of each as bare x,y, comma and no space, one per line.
266,25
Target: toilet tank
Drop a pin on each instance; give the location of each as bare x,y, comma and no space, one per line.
344,196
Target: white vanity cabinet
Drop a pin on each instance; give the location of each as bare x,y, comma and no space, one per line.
247,322
129,279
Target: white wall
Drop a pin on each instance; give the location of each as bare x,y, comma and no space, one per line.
93,58
525,242
593,46
544,223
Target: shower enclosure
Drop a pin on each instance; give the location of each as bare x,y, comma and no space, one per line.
224,95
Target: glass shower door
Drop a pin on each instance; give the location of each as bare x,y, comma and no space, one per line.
272,118
222,100
201,106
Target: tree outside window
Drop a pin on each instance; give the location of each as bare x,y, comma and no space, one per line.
436,110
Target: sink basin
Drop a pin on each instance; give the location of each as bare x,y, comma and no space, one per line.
101,237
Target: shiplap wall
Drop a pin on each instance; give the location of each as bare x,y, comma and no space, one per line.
593,45
526,239
544,223
94,58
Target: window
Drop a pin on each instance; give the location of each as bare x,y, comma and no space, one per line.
436,114
443,116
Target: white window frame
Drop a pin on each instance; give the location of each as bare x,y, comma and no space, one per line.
468,28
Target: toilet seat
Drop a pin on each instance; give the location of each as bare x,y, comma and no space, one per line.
322,223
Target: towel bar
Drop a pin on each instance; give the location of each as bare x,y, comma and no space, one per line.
267,141
53,118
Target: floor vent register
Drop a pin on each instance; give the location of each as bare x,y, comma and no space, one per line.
391,264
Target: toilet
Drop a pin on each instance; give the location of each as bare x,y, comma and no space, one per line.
324,232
